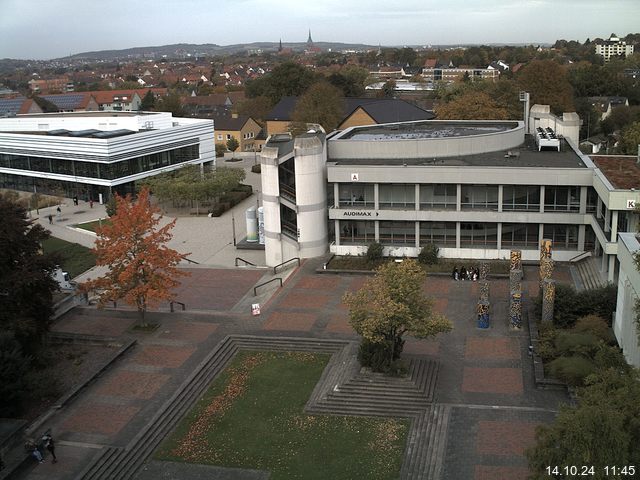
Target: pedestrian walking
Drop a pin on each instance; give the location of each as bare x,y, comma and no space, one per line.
75,200
455,273
50,445
50,217
58,212
91,203
463,273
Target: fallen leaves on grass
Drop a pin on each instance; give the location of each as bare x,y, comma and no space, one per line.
194,445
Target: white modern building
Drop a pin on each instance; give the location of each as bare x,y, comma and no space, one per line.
624,324
476,189
92,154
613,48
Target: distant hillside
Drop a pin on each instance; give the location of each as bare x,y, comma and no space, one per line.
189,49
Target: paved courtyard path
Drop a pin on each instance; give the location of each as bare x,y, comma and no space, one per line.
485,378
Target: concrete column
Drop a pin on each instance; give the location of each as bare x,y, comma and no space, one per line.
336,195
499,232
582,229
417,234
500,198
458,201
540,233
271,204
376,200
417,197
458,230
607,221
377,229
541,202
614,225
612,268
583,200
599,208
336,232
603,263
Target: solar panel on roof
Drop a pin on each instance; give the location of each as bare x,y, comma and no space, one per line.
65,102
11,105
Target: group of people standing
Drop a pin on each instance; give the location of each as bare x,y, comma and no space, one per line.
37,449
463,274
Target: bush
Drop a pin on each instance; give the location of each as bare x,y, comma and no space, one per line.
43,386
600,301
256,168
377,356
219,208
595,325
570,305
570,343
14,367
374,252
428,254
111,206
572,370
608,357
243,188
220,150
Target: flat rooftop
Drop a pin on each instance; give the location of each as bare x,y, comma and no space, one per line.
622,171
431,129
101,113
524,156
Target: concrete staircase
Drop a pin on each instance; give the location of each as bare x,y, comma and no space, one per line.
343,389
373,394
589,273
116,463
424,454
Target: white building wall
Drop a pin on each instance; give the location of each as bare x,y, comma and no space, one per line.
271,204
624,325
311,196
175,132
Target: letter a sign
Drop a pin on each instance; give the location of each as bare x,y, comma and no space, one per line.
354,177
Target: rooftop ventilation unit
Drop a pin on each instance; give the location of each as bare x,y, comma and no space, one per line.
547,138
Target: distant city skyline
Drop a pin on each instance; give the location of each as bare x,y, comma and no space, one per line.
43,29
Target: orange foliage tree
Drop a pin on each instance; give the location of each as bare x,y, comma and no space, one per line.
142,270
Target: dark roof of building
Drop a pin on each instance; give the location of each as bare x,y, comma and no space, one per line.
69,101
12,106
382,110
229,122
524,156
622,171
387,110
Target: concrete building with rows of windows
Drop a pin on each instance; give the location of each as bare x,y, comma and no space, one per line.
92,154
476,189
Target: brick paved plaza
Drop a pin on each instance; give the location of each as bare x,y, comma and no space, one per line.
485,376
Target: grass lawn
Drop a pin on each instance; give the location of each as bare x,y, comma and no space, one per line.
91,226
75,258
252,417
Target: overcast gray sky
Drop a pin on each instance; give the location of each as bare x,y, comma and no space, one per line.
42,29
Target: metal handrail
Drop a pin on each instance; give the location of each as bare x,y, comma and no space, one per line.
179,303
284,263
247,262
255,293
580,256
184,257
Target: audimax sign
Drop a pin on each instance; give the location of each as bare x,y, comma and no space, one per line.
359,213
